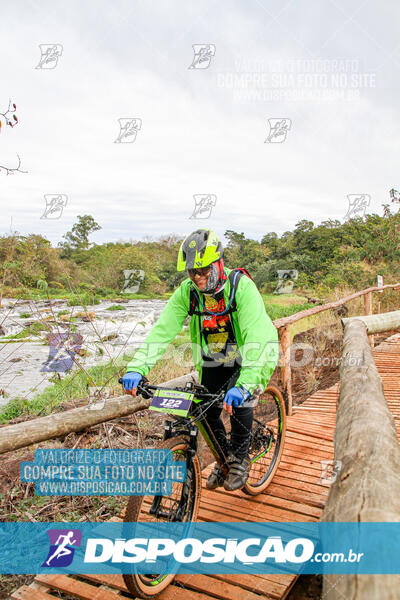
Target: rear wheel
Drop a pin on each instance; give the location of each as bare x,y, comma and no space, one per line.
174,507
267,438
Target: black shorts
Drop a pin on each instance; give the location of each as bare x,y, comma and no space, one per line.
219,377
216,379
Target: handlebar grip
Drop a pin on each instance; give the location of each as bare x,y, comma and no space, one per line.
139,386
120,380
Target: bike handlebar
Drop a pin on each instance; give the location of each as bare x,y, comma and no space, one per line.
196,389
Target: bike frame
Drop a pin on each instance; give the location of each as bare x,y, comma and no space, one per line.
190,427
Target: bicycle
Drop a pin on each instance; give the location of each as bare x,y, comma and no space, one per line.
190,404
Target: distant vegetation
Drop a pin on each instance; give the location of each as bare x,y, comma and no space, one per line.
327,256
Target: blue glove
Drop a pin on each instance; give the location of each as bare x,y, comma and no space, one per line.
236,395
131,380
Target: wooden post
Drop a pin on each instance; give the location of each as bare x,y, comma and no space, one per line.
367,460
286,371
368,311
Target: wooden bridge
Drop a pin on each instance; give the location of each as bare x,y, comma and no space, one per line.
295,494
298,491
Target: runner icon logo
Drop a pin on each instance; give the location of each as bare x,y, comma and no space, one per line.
61,552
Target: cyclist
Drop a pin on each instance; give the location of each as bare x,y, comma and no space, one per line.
236,351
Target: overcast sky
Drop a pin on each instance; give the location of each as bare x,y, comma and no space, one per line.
330,68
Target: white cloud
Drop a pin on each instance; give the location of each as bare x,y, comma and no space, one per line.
131,60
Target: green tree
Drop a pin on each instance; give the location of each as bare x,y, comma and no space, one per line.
78,238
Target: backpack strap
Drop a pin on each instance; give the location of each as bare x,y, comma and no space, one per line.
244,271
234,276
192,302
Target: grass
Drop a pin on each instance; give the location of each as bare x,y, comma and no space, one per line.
73,386
25,315
83,300
327,318
283,305
14,341
116,307
322,319
68,511
277,311
76,295
114,297
283,299
33,329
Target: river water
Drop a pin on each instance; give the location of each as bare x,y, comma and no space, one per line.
22,361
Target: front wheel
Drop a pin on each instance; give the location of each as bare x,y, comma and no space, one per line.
182,505
267,439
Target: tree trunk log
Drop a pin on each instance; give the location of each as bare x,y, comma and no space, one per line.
24,434
367,488
378,323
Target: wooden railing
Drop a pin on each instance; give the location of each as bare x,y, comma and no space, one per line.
283,326
367,488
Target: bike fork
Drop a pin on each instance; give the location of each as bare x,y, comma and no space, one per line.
155,505
191,452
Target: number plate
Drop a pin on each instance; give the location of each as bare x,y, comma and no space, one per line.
172,401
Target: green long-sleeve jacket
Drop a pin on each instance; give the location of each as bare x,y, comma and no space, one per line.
256,335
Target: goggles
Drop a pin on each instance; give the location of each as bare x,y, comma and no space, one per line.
200,272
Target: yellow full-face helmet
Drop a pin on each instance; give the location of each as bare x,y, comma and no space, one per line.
201,248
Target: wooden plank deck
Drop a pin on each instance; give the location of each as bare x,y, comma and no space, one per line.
295,494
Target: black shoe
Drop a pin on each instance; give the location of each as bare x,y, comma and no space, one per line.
216,478
238,473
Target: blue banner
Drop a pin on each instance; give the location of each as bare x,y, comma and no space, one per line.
59,472
250,548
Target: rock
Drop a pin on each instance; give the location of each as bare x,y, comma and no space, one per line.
109,338
15,359
85,316
49,318
314,301
340,311
54,302
83,352
64,317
